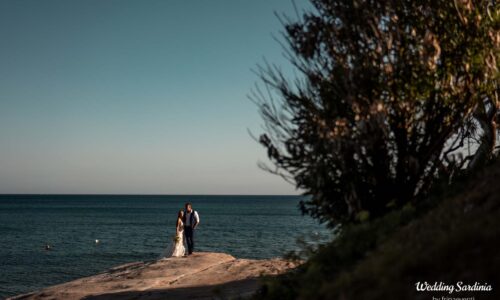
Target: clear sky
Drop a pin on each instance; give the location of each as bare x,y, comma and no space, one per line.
134,97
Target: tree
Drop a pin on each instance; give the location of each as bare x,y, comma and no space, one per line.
387,92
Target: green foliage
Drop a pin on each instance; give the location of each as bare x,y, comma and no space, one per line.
456,240
389,90
354,243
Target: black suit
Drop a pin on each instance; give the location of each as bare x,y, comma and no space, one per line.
189,230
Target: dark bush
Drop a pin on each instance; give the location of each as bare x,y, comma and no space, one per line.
390,96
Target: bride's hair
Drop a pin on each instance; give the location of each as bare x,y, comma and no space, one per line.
179,215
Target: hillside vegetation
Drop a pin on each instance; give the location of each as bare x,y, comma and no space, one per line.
456,237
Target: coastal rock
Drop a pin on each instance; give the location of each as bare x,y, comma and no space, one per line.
203,275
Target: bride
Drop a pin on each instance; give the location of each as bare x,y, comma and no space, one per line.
178,248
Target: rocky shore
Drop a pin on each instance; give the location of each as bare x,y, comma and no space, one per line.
203,275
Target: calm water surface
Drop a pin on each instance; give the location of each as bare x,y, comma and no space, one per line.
134,228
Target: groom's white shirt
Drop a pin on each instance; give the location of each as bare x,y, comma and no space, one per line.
188,218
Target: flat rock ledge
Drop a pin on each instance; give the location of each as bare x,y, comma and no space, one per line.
203,275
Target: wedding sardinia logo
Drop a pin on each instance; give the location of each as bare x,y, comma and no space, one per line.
450,289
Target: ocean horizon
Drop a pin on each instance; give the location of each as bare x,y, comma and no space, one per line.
135,228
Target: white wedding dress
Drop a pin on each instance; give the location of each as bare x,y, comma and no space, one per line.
178,248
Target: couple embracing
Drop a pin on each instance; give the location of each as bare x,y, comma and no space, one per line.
187,221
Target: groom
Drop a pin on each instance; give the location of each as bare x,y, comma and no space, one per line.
191,220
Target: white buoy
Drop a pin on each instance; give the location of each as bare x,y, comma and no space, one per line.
97,241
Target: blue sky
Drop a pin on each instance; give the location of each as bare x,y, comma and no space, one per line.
134,96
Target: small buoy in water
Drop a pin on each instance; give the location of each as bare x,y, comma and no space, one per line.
97,241
47,247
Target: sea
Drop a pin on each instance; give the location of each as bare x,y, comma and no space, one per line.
88,234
